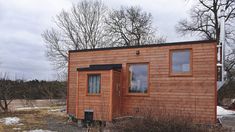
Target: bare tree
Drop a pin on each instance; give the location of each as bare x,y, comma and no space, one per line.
205,18
7,92
80,28
230,65
131,26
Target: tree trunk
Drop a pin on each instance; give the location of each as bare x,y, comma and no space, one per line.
6,106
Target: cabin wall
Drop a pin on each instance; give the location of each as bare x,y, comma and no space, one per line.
100,104
194,96
116,94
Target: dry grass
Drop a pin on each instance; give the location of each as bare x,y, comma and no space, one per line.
1,129
163,120
56,121
166,124
32,119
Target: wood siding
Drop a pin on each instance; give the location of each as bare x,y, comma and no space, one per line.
101,103
188,95
116,94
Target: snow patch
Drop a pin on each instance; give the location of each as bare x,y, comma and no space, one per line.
223,112
17,128
40,130
10,120
20,124
55,110
31,108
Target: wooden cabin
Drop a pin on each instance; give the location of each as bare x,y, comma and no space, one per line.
172,78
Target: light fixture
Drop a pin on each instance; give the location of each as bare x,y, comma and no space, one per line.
137,52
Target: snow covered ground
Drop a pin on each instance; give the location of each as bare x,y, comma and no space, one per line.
31,108
39,130
16,121
221,112
10,120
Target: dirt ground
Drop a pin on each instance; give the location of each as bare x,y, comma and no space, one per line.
54,119
46,119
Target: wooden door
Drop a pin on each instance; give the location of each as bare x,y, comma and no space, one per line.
116,94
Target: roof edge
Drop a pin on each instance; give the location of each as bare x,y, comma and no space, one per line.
147,45
101,67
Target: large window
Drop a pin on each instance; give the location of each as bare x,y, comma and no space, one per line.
138,78
94,84
180,62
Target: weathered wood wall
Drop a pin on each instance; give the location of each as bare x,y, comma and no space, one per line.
193,95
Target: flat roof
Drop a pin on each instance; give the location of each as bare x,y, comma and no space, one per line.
147,45
101,67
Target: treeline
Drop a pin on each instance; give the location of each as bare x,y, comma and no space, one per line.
33,89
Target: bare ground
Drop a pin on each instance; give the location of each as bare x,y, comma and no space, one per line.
39,119
54,120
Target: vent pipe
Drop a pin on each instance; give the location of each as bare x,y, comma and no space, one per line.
221,51
222,44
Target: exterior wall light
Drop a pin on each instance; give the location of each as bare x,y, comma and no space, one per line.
137,52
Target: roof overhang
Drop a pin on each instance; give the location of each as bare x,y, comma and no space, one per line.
101,67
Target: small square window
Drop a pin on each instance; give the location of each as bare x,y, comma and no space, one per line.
180,62
94,83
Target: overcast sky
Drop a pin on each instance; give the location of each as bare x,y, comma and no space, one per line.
22,50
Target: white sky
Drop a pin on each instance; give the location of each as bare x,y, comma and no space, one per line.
22,50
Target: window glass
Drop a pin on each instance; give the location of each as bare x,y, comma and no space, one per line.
94,84
138,78
181,61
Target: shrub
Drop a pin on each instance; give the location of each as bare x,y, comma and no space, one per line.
166,124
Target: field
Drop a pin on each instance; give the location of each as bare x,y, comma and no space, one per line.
50,116
38,119
37,116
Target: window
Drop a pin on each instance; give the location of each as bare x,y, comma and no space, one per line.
94,84
138,78
180,62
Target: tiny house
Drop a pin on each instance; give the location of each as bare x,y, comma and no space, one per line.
176,78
